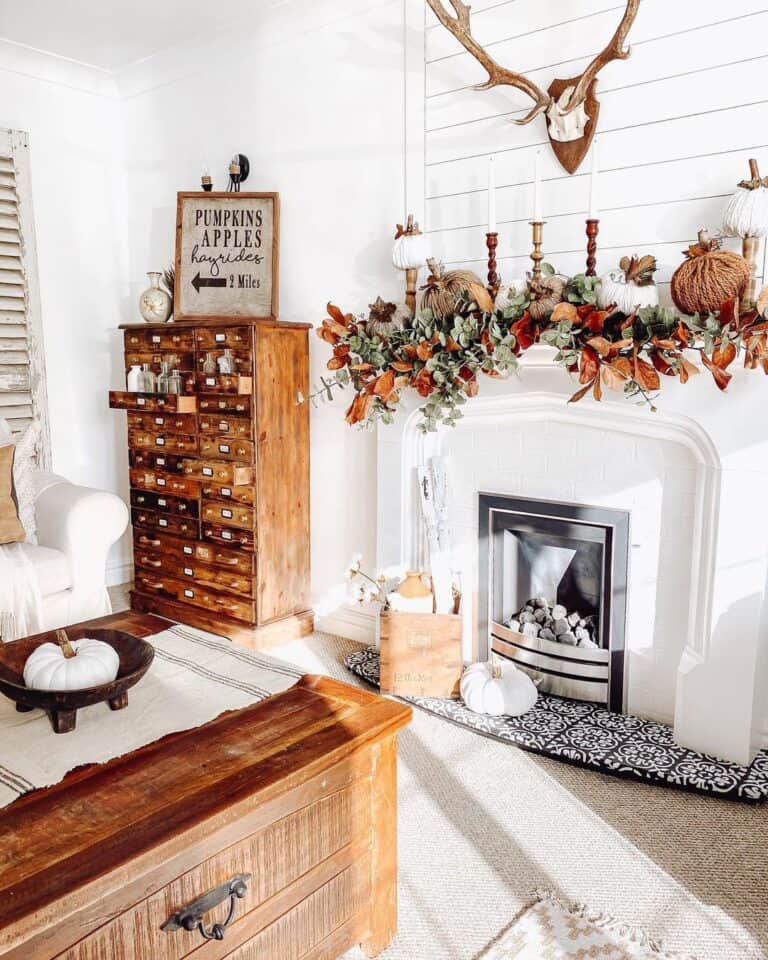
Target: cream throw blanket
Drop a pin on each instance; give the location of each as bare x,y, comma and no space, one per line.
194,677
20,599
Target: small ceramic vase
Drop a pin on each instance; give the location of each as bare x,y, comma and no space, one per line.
135,380
155,305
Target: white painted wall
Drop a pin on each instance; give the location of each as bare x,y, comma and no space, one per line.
314,96
678,121
70,114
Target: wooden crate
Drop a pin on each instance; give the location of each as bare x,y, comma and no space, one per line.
298,792
421,654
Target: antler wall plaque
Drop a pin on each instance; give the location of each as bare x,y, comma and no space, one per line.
570,106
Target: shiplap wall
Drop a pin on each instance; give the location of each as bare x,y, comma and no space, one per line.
678,122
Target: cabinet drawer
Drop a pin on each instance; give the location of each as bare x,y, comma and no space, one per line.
164,503
225,426
208,599
163,422
309,872
151,402
229,536
237,405
148,459
164,483
194,572
229,514
231,560
230,448
211,338
151,520
219,383
230,474
219,491
153,339
172,443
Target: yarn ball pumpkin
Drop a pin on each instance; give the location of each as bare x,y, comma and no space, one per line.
443,290
708,277
550,293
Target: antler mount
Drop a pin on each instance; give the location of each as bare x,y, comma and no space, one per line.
571,106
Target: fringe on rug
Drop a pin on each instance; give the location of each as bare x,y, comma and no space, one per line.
608,922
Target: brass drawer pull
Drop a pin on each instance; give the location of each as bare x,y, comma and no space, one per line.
190,917
147,542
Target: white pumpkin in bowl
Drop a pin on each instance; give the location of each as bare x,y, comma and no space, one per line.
93,664
497,689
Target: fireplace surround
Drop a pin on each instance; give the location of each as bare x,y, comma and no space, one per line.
569,554
691,476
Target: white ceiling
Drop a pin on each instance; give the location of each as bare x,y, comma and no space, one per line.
111,34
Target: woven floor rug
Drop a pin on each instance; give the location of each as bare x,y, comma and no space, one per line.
551,930
591,736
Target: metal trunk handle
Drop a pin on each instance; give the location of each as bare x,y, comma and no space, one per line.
190,917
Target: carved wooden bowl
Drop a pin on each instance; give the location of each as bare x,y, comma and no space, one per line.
135,654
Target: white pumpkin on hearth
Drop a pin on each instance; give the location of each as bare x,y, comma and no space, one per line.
94,663
497,689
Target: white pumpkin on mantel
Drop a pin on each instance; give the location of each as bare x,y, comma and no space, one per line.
93,664
497,689
631,287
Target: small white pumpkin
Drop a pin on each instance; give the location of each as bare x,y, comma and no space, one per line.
631,287
497,689
410,251
94,663
746,214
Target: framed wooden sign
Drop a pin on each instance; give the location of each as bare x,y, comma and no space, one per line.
226,255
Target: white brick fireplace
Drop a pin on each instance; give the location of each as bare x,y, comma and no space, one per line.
694,478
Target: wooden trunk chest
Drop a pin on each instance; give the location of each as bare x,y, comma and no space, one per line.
219,478
297,795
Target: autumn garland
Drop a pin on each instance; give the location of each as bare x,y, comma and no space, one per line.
442,358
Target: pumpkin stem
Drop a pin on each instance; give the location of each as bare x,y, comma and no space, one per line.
66,647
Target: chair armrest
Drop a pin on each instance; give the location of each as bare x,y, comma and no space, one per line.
81,523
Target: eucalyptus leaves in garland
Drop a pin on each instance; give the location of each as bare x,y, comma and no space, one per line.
443,358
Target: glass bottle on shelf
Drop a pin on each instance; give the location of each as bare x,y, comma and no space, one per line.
175,382
226,362
135,379
147,379
209,364
163,380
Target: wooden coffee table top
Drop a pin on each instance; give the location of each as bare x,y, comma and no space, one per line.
139,807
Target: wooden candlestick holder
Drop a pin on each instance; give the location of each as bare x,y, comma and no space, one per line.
536,255
492,241
593,228
749,250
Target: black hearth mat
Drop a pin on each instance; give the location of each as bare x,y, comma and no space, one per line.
591,736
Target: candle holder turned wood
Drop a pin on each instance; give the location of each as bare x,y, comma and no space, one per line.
593,228
494,281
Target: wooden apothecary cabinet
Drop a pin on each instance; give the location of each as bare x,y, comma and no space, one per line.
219,478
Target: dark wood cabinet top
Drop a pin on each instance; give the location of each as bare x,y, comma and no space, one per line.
265,322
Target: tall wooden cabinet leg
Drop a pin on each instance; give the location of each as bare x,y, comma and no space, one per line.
384,852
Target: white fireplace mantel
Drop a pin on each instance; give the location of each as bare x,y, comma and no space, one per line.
704,453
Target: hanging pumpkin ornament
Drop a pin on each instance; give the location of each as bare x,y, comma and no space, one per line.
708,277
548,294
442,291
746,216
630,287
385,318
410,254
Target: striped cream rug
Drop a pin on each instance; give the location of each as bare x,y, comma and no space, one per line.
552,930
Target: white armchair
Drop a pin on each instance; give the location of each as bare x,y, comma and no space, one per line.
76,526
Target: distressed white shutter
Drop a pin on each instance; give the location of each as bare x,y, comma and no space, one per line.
22,368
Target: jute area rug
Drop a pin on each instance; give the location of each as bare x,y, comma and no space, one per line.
552,930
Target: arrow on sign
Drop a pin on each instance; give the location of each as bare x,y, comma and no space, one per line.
199,281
